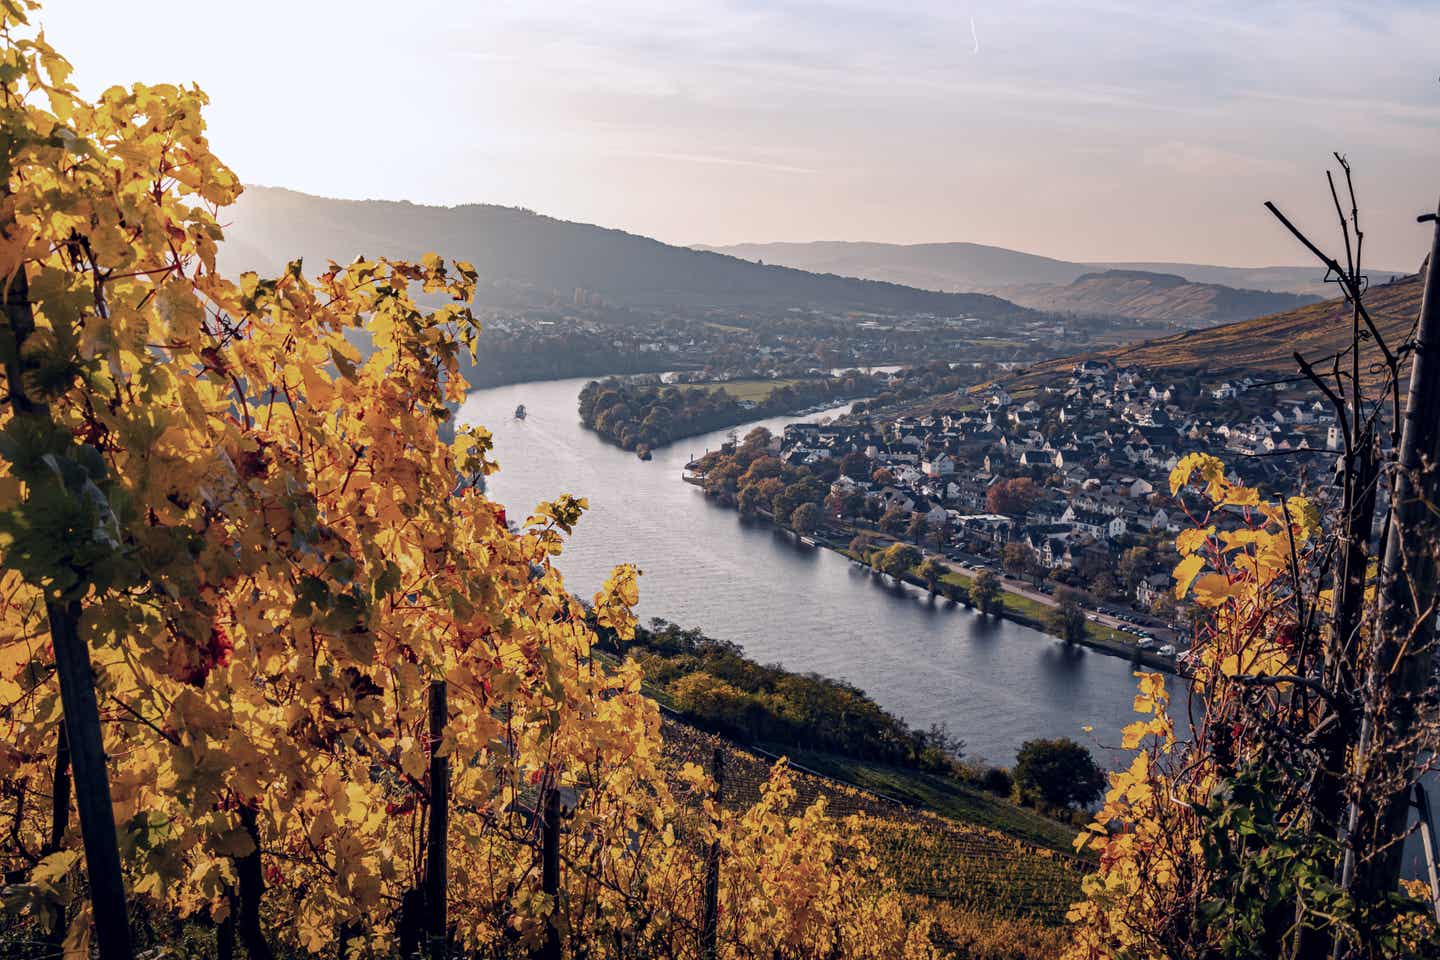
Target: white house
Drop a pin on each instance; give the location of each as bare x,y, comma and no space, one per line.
938,466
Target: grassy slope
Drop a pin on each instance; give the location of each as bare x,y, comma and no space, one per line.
943,795
1262,345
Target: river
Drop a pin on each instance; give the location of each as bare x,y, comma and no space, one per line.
993,684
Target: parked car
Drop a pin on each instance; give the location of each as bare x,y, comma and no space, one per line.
1168,650
1145,644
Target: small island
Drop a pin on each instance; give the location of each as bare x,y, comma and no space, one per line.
640,415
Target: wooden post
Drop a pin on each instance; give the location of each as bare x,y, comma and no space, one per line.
251,880
550,869
225,932
1427,838
436,923
709,932
77,686
1403,649
412,910
59,821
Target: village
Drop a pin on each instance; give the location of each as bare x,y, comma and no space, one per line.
1066,489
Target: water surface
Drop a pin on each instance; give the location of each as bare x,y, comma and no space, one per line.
994,684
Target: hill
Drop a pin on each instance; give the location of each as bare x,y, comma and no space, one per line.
980,267
935,266
1263,345
524,256
1143,295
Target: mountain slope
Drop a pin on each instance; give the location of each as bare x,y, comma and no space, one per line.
516,249
1154,296
1265,345
935,266
974,266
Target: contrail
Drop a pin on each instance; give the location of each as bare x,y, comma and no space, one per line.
974,36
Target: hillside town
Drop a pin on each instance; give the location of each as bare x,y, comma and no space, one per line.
1067,487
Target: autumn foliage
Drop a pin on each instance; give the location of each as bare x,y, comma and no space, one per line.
1208,841
247,488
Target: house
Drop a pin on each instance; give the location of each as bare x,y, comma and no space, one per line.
941,465
893,497
1094,524
1150,589
990,528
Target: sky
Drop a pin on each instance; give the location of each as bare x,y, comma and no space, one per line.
1094,131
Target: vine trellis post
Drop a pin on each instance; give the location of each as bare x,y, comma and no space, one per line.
436,922
77,681
1402,657
711,922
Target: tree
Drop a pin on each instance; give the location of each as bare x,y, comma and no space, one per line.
931,571
1104,586
757,441
1067,618
807,489
1013,497
1163,606
893,520
750,500
844,503
855,465
861,546
805,518
1016,558
897,559
986,593
1059,774
882,477
917,527
941,532
1134,565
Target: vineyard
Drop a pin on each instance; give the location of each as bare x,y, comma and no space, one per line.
279,680
940,859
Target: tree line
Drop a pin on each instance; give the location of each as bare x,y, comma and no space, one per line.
634,415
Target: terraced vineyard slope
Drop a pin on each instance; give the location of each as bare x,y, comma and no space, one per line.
1265,345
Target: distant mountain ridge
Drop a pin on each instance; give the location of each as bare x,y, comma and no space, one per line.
982,267
517,249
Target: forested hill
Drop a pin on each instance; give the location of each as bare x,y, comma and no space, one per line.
520,254
1263,345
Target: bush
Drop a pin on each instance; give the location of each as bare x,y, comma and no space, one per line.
1058,774
997,780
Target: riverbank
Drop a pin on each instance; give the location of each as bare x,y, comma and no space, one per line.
1016,607
809,610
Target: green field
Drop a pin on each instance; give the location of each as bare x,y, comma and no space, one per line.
753,390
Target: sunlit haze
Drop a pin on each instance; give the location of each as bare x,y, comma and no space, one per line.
1090,131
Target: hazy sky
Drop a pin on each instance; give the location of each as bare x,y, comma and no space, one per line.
1091,130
